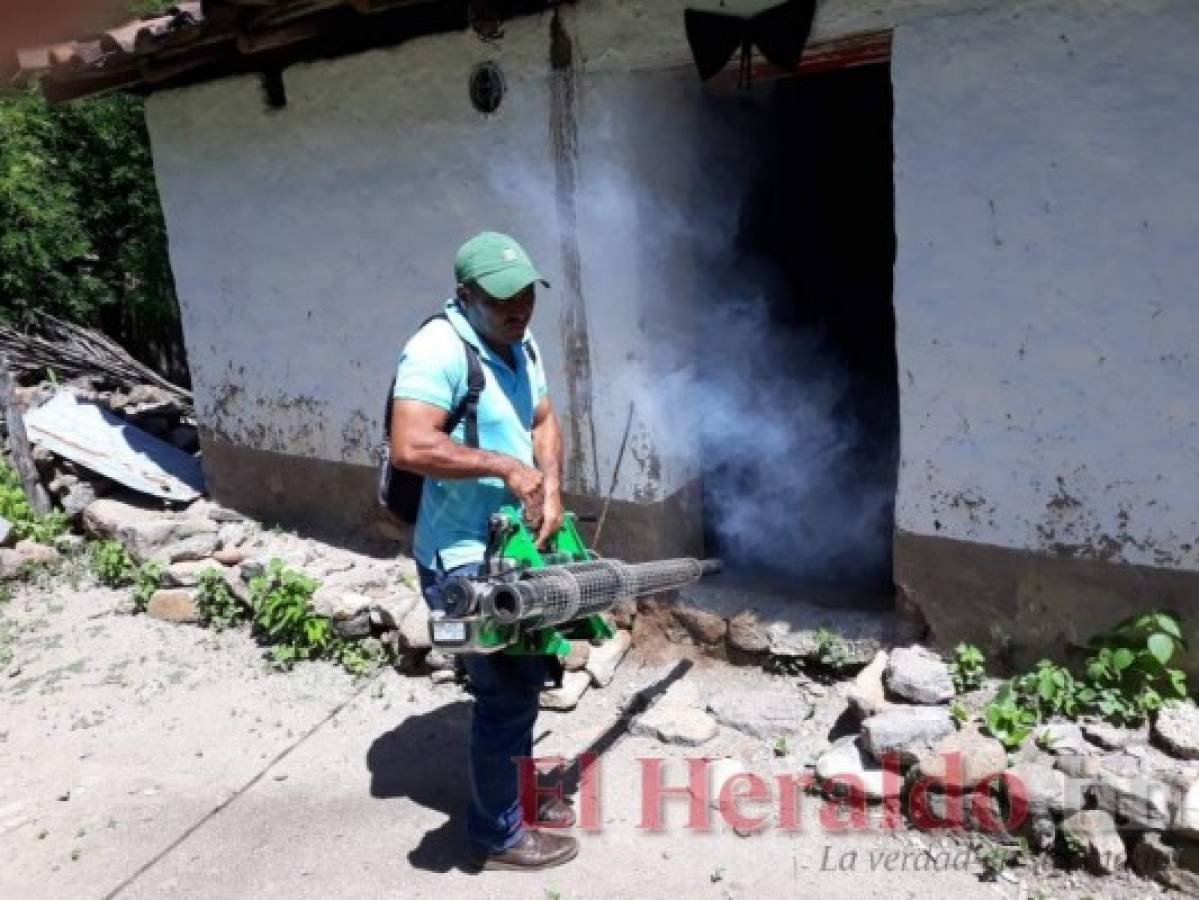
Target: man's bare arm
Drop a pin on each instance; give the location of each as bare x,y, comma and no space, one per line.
547,454
419,445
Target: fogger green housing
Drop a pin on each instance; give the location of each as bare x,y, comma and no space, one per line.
532,601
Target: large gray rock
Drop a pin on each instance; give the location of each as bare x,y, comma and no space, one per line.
705,628
173,605
1186,818
1151,857
1063,738
1113,737
187,573
1176,729
566,698
671,724
576,659
341,605
1046,791
1141,802
676,717
1093,836
233,534
810,644
414,629
77,498
152,534
388,612
604,658
765,713
909,732
746,634
33,553
844,761
977,757
866,694
918,675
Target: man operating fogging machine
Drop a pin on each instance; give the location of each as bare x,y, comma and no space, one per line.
501,564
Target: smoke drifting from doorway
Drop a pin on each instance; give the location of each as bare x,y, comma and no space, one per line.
786,485
793,483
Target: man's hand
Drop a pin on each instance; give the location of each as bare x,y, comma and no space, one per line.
529,487
551,517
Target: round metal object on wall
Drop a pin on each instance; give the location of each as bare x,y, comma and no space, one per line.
487,87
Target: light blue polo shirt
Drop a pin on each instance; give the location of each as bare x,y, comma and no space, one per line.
454,513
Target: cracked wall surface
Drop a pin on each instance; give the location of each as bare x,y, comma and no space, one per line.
1047,183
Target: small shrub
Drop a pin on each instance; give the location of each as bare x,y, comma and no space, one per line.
282,615
360,658
1052,688
15,506
1008,718
968,668
1125,678
218,607
111,563
831,651
146,580
958,710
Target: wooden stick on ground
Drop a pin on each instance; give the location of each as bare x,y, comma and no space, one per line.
18,443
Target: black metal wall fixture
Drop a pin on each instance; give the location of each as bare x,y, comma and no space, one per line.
779,32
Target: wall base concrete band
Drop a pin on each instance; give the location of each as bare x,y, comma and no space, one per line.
335,502
1020,606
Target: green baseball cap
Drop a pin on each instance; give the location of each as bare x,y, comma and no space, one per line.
497,264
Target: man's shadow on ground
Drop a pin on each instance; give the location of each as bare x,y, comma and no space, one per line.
424,759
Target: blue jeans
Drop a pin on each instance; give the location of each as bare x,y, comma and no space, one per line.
506,689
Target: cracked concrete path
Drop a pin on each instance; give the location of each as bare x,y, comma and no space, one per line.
142,759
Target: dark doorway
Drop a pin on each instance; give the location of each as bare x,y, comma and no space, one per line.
801,346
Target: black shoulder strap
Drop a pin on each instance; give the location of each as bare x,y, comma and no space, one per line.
468,409
468,406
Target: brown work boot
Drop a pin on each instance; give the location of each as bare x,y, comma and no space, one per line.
554,813
534,851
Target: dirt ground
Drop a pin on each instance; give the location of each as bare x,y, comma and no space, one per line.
145,759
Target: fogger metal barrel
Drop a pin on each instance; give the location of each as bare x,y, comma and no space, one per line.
558,594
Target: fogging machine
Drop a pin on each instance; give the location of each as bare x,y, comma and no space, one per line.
531,601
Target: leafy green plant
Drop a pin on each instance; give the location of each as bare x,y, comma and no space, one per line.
15,506
968,668
1124,679
146,580
994,858
216,603
111,563
960,713
1127,676
1008,718
282,615
1045,740
831,651
360,658
1052,688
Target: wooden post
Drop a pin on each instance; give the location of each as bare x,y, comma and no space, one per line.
18,443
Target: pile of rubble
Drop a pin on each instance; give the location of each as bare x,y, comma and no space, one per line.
1094,794
362,596
156,411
